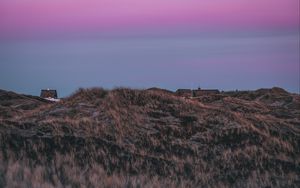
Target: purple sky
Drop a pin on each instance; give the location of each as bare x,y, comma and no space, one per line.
228,44
22,17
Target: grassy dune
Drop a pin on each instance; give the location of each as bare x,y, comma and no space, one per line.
150,138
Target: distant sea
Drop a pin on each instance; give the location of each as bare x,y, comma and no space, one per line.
223,62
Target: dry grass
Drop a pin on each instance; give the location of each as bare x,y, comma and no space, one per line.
151,138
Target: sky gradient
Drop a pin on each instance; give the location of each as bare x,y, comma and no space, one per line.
225,44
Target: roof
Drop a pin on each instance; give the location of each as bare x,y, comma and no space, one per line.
183,90
207,90
48,93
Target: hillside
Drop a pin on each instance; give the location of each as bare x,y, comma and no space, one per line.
150,138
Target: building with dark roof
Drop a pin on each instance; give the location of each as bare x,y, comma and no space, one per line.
188,93
200,92
48,93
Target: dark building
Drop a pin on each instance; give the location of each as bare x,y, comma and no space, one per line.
48,93
196,92
200,92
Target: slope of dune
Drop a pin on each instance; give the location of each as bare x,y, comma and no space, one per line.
150,138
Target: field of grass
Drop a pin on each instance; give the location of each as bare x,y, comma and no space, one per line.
150,138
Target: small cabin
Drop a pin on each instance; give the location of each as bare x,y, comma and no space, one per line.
189,93
48,93
200,92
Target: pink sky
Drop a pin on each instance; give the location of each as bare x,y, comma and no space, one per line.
37,16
